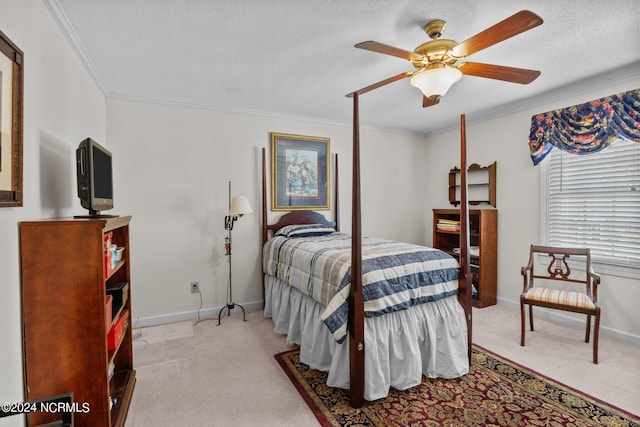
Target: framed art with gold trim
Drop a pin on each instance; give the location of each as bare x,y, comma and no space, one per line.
299,172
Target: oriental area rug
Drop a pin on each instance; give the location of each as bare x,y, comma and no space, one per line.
496,392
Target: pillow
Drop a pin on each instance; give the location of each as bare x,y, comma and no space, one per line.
305,230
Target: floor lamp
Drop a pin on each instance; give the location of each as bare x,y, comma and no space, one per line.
238,206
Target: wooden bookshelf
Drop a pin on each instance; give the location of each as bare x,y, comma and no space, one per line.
64,285
483,235
481,184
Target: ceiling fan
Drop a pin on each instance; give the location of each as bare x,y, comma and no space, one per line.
435,61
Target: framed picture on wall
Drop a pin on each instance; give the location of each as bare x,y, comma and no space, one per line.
299,172
11,91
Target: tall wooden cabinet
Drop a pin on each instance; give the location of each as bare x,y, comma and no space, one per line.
483,236
66,317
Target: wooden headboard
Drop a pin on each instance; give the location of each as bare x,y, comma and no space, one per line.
300,217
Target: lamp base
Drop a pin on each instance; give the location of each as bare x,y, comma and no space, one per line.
230,306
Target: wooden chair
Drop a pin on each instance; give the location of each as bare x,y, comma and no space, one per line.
544,294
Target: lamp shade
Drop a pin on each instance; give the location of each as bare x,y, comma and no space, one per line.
240,206
435,82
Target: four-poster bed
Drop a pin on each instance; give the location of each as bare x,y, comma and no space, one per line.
438,55
428,335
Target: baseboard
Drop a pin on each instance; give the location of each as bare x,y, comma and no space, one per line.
204,313
560,317
552,315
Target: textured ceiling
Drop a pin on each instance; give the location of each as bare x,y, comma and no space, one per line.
295,58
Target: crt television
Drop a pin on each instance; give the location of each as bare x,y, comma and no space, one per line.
95,177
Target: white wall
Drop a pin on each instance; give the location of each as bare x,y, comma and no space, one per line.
62,105
505,140
172,167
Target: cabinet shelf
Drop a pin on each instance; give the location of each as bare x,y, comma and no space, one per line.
481,182
117,267
115,315
121,386
111,354
471,233
469,185
457,255
64,303
484,226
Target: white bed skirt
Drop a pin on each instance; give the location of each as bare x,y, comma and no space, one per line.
429,339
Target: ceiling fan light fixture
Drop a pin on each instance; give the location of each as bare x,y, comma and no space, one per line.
435,82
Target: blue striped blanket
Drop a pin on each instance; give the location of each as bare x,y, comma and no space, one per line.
396,275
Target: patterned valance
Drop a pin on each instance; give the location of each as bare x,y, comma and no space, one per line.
586,128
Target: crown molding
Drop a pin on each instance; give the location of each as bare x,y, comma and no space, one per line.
628,73
61,19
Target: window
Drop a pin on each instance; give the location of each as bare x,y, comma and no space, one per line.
594,201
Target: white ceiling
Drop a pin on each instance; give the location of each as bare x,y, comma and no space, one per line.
295,58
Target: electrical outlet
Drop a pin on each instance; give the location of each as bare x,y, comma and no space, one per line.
195,287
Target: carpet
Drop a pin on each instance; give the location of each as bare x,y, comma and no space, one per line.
496,392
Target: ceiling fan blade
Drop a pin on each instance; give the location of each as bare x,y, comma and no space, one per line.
428,102
381,83
513,25
499,72
389,50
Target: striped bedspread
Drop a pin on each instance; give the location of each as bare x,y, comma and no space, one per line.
395,275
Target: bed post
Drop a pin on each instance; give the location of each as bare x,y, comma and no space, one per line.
465,272
264,215
336,201
356,303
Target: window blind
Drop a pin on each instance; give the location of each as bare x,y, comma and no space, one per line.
594,201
